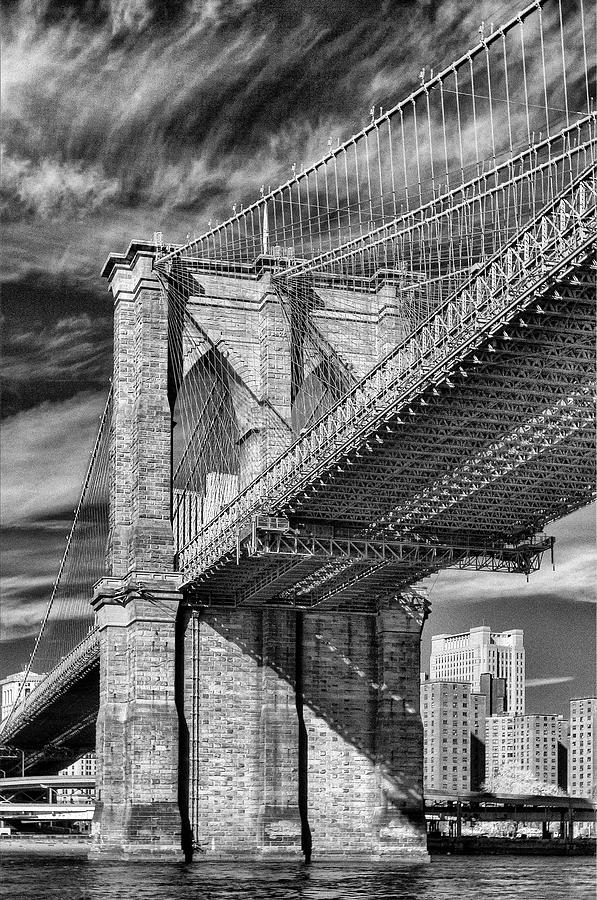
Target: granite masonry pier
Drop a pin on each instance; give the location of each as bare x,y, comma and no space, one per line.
236,732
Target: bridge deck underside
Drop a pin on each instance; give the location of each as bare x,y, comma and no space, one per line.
458,464
289,577
502,446
61,730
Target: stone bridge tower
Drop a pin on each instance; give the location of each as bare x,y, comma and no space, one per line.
249,732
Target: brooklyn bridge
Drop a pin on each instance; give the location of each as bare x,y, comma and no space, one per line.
380,369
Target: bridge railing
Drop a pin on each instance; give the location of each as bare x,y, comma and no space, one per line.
445,237
528,79
484,303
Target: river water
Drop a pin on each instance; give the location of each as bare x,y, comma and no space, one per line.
51,877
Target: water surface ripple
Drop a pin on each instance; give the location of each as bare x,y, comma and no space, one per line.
471,878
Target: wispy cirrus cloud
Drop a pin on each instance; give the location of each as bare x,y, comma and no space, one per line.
48,355
545,682
67,349
21,613
53,189
44,455
160,116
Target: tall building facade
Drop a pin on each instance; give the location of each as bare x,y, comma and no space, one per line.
86,765
83,766
446,715
10,688
529,743
467,656
582,748
454,724
499,744
563,744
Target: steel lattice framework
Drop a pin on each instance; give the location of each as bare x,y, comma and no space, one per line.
509,354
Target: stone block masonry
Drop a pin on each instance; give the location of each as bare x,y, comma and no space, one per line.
365,792
136,605
137,813
243,744
353,787
238,733
140,458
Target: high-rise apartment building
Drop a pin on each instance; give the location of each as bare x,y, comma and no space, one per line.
454,732
454,736
466,657
528,743
563,744
582,748
446,715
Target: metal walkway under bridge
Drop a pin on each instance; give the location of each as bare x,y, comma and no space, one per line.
420,306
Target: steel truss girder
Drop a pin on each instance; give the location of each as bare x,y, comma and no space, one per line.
514,558
499,504
467,401
515,449
334,566
418,446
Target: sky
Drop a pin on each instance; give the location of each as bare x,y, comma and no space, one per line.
124,117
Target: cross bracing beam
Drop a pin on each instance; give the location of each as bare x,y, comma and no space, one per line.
537,436
552,247
303,569
512,500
